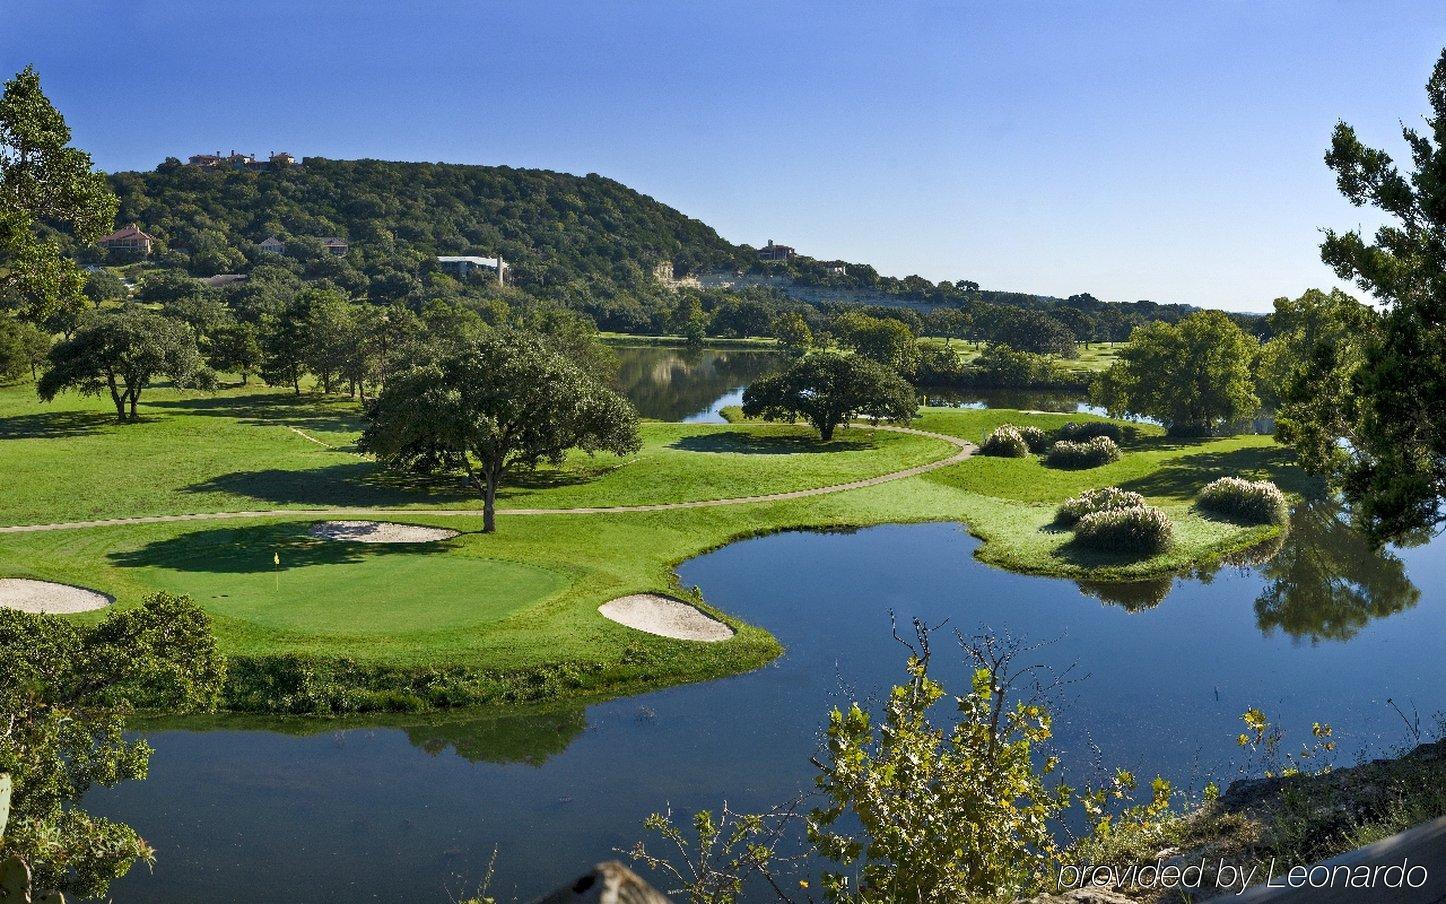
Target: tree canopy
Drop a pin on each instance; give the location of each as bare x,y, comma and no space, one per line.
1195,376
45,185
831,389
64,689
121,352
1394,471
492,405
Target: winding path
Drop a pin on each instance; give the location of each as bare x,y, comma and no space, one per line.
962,451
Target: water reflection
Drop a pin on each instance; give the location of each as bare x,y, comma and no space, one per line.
1327,582
674,384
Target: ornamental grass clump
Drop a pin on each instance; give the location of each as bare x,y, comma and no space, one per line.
1253,501
1088,454
1143,529
1103,499
1090,430
1035,438
1006,441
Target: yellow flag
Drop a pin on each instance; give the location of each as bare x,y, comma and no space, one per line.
276,559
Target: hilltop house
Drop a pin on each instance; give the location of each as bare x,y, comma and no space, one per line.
130,240
461,266
272,245
335,245
772,252
277,160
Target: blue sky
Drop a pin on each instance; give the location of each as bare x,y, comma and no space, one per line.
1169,151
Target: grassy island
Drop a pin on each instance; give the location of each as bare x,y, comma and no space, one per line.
320,625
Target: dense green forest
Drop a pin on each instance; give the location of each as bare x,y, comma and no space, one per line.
588,242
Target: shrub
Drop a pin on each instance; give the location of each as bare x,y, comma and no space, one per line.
1256,501
1089,454
1143,529
1102,500
1005,441
1090,430
1035,438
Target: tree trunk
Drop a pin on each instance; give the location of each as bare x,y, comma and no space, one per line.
117,398
825,431
135,394
489,505
296,382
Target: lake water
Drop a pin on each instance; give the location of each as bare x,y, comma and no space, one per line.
1159,673
694,385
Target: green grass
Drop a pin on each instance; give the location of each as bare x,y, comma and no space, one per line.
1097,357
526,597
236,451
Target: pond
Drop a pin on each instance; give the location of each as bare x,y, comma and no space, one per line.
1159,674
694,385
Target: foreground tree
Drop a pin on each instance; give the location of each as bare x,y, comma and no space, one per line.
44,184
1194,376
64,690
492,406
1394,469
1308,370
121,352
830,389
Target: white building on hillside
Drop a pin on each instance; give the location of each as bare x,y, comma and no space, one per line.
461,266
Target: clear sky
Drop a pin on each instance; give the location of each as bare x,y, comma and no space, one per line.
1157,150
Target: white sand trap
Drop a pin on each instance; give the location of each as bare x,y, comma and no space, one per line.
666,617
47,598
379,532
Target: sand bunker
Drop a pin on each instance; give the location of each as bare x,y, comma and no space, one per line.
666,617
47,598
379,532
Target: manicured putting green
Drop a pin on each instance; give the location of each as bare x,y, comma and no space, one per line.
338,589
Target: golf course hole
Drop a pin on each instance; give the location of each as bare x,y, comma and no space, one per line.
379,532
48,598
665,617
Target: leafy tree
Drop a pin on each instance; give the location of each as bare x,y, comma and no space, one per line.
1394,472
1307,371
1032,331
948,323
888,341
495,405
23,346
285,345
44,183
944,813
332,351
829,389
792,331
121,352
104,285
235,347
1194,376
166,287
64,691
203,312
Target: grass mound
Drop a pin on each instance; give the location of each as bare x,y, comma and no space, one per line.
1005,442
1089,502
1145,530
1090,453
1251,501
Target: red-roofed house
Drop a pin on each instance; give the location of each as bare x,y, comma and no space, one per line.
129,239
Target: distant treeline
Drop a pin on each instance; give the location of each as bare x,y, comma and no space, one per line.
588,243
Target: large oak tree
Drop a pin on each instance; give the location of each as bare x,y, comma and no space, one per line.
493,405
121,352
829,389
1194,376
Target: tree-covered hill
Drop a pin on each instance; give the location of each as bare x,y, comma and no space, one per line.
553,228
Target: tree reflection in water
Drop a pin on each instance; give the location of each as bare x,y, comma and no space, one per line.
1327,582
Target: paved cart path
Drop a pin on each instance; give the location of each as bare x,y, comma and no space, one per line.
962,451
